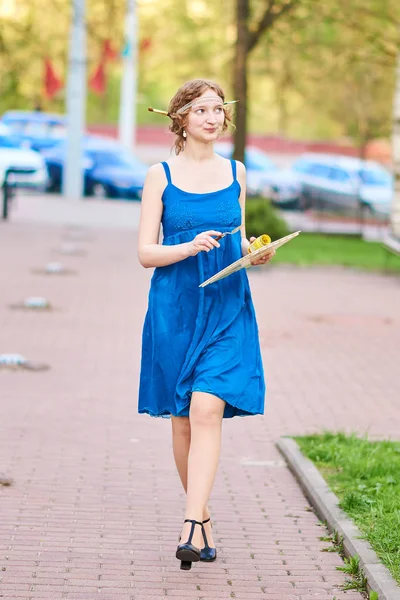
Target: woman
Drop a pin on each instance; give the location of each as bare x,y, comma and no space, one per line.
201,357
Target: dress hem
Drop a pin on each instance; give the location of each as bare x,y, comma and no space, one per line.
169,414
144,411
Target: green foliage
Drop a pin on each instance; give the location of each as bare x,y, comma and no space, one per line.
351,565
337,543
365,477
357,581
261,217
322,70
318,249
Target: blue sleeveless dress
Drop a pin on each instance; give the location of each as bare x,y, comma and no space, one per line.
200,339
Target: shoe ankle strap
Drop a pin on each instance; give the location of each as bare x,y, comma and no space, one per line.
193,521
207,520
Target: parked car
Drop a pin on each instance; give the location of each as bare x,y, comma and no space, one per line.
21,167
344,184
264,177
110,171
35,130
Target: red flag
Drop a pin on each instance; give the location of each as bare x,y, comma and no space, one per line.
109,53
98,80
145,44
52,83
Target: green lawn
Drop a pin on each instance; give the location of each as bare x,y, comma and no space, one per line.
351,251
365,476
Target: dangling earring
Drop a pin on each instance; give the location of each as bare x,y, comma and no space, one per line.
184,134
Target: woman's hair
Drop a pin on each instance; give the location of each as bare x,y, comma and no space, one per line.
188,92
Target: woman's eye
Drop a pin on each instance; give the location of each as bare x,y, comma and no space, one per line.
199,111
219,109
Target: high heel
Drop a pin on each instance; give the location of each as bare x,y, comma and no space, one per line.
188,553
207,554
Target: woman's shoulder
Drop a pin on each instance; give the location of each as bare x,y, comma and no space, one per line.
156,169
241,169
157,172
239,165
156,177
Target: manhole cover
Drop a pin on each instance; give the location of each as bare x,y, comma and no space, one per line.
33,303
5,479
54,268
14,362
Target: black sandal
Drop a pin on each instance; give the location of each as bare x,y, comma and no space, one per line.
207,554
188,553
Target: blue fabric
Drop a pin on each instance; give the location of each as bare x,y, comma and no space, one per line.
200,339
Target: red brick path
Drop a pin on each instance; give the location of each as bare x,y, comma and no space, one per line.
96,506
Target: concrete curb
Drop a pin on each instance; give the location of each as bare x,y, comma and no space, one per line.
325,503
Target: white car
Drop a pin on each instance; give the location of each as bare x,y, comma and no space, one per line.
21,167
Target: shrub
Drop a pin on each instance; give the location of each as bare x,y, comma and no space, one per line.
262,217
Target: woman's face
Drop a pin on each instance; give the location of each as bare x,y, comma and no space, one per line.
206,117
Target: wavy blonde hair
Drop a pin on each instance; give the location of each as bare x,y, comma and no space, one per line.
188,92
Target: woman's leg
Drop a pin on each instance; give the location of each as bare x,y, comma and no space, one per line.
181,446
206,412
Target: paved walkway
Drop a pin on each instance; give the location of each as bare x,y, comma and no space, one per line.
96,507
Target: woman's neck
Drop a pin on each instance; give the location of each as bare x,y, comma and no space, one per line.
195,152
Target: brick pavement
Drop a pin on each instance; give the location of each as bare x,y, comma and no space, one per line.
96,506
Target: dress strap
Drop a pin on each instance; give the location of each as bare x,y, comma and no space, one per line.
233,163
167,171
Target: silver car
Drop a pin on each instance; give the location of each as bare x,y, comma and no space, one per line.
344,185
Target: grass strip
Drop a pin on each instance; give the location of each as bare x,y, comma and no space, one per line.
365,475
348,251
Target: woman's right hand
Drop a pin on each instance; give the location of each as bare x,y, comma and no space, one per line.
203,242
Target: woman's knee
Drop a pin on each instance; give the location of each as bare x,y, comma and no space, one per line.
181,426
206,410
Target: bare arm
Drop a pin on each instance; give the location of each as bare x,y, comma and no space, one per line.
151,253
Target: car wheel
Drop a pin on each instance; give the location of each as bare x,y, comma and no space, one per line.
304,202
99,190
366,213
275,195
51,186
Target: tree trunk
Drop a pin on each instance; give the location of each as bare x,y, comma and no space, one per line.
240,78
395,215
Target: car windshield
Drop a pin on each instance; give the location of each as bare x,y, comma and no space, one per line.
375,177
302,166
6,143
257,161
37,129
113,159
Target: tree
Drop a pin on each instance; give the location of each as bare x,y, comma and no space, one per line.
248,36
395,215
327,62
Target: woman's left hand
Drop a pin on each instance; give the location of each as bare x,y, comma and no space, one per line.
263,259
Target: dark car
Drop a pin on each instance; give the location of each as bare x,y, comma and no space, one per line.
110,171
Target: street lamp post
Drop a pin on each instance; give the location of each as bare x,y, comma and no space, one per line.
127,112
76,103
